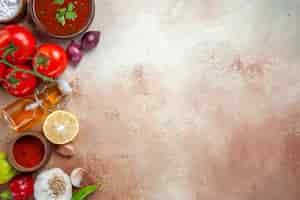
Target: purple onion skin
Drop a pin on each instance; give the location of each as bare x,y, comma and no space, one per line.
90,40
76,44
74,53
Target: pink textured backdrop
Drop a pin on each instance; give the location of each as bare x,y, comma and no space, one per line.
191,99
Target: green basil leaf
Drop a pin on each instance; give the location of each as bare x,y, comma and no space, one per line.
59,2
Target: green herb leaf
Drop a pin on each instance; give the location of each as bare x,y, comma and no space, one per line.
59,2
68,13
61,19
61,11
71,15
60,16
70,6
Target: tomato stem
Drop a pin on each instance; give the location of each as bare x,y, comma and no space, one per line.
35,73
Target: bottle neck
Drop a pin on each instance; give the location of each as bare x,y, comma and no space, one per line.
54,94
51,96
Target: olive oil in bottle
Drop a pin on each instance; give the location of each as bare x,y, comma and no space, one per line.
25,113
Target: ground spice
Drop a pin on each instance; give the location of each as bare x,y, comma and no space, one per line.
57,186
8,8
28,151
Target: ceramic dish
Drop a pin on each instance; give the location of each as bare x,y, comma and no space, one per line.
46,20
45,157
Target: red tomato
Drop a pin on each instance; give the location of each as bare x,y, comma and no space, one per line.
2,70
19,84
50,60
18,43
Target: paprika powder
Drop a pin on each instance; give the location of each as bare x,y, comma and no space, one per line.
28,151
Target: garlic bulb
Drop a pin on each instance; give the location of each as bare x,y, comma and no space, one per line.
53,184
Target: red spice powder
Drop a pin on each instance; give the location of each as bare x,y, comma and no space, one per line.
28,151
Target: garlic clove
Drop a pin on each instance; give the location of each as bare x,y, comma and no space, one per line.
64,87
77,177
66,150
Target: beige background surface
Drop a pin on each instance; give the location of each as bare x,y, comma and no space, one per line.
190,100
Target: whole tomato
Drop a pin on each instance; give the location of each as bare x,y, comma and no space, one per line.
50,60
2,70
17,44
18,83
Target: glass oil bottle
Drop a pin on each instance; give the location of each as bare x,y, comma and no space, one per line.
23,114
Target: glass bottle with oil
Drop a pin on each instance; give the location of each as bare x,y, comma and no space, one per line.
25,113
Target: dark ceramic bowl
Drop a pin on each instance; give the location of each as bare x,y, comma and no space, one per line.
46,157
40,26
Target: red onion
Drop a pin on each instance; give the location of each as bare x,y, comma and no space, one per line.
90,40
76,44
74,53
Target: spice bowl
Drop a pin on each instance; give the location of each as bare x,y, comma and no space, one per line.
29,152
17,13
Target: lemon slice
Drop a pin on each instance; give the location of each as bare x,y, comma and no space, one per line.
61,127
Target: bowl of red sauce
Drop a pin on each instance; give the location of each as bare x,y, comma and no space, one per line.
62,19
29,152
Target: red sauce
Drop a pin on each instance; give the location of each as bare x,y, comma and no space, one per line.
28,151
46,12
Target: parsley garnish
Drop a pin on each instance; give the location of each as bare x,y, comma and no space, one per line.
63,14
70,6
60,16
71,14
59,2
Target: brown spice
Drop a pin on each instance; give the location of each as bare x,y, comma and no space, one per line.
57,186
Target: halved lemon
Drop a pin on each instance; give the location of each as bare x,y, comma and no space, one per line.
61,127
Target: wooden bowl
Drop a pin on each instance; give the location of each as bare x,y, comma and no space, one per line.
45,159
41,28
